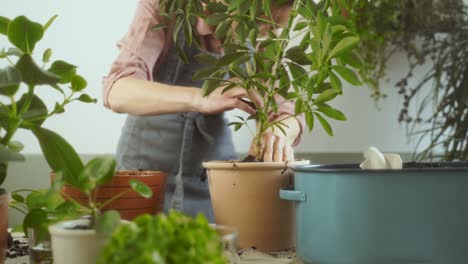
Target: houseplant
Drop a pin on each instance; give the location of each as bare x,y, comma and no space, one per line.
81,240
129,205
173,238
431,35
270,65
22,108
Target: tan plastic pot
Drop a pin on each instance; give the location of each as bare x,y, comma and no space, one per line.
4,197
246,196
131,204
71,246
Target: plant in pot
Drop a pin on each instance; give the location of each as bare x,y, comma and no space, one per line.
81,240
22,108
274,67
129,205
173,238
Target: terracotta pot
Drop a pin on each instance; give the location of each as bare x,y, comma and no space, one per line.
75,246
131,204
4,197
246,196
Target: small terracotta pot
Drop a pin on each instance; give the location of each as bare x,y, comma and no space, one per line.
131,204
4,197
246,196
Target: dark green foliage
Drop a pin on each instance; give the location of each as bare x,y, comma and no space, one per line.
431,34
259,58
165,239
28,110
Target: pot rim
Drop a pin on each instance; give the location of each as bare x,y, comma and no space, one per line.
58,229
354,168
136,173
223,164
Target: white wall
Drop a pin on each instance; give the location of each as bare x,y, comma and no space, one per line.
85,34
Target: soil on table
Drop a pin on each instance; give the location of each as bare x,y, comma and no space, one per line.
17,247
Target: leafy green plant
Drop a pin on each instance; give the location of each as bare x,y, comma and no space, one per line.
432,36
20,105
267,62
172,239
44,207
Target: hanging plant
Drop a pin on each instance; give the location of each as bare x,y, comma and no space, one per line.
430,33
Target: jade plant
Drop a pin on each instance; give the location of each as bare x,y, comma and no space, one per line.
304,60
172,239
20,105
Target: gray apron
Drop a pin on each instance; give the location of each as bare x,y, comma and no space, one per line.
177,143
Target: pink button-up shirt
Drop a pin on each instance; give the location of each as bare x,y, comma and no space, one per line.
141,49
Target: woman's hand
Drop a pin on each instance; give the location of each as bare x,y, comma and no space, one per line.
277,145
218,102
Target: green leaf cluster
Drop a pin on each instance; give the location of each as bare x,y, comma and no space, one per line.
44,207
165,239
23,108
260,58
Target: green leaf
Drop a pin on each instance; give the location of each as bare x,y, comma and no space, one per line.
49,22
24,33
4,25
58,108
297,55
35,218
229,58
206,58
63,69
204,73
326,126
78,83
141,188
47,55
216,7
158,27
67,209
347,74
10,79
353,59
335,81
209,86
300,26
86,99
223,28
17,197
7,154
327,38
107,223
96,172
32,74
36,109
326,96
309,118
15,146
216,18
60,155
44,199
345,45
17,229
333,113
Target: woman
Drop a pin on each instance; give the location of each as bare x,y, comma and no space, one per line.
170,126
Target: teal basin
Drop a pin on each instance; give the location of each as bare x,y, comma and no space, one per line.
346,215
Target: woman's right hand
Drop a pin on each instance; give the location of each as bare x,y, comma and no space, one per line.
218,102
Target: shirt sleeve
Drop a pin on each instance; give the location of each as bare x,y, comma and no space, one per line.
140,47
287,108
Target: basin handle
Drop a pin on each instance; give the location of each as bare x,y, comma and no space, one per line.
292,195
